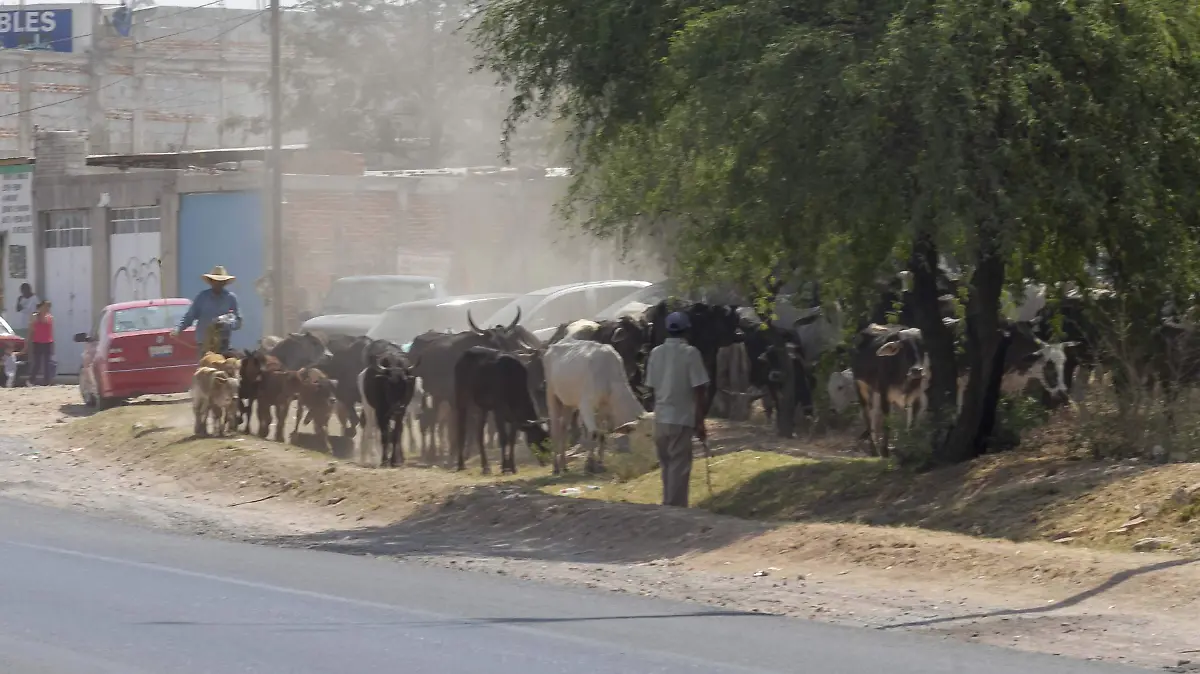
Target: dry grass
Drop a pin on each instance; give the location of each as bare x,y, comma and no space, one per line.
1053,492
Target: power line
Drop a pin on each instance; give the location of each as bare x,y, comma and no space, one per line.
129,77
168,16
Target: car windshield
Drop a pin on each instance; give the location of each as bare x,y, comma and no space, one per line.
505,315
374,296
648,295
5,328
401,325
157,317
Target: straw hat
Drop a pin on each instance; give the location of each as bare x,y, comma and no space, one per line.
218,273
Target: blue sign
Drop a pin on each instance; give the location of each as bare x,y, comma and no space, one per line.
47,29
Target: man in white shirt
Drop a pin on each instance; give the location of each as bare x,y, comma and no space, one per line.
26,304
676,372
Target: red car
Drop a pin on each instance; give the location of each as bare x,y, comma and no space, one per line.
132,352
9,339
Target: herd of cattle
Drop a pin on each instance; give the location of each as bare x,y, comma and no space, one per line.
447,387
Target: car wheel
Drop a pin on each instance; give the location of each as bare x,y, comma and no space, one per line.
104,402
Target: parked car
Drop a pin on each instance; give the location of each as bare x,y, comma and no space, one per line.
403,322
9,339
542,311
131,352
355,304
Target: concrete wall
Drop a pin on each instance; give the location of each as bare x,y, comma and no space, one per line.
490,234
125,189
169,86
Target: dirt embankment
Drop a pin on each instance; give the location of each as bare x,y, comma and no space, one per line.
816,548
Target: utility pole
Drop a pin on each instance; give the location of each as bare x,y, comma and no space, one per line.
275,168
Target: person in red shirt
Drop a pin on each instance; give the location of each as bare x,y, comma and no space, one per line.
41,333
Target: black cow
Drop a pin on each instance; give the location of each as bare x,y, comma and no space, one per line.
347,357
436,353
893,299
491,381
713,327
890,368
778,369
631,338
387,388
299,349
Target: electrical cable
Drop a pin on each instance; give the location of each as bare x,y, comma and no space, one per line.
129,77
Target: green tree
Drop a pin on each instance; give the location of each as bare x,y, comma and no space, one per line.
840,138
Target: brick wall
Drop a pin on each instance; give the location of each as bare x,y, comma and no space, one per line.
329,234
502,236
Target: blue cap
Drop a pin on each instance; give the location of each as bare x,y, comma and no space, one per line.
678,322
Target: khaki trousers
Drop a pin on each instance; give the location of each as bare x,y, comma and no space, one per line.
674,445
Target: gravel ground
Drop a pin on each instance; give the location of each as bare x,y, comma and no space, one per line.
1143,615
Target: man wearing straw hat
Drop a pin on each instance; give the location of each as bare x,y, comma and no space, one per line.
215,313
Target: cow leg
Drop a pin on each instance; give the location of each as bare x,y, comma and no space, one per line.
398,438
502,429
247,412
346,417
368,432
264,418
885,408
600,441
299,413
483,462
218,416
200,410
558,432
384,421
281,416
458,436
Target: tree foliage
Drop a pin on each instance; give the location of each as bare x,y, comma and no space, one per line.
841,138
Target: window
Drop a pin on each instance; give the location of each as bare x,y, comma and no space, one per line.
158,317
138,220
66,229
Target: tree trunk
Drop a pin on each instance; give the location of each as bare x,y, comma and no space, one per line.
939,340
985,357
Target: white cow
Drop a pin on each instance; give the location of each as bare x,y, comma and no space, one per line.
587,377
840,388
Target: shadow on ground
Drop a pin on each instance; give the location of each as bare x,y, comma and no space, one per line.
512,523
1005,496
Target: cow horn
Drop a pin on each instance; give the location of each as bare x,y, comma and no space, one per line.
516,319
471,322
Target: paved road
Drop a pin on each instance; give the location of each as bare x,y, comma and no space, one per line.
81,595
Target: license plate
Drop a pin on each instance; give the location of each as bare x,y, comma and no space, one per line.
161,351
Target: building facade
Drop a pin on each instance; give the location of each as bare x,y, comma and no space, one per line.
106,229
172,78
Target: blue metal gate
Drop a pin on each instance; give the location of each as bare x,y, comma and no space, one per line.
224,228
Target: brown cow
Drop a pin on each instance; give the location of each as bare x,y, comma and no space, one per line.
315,393
213,393
276,388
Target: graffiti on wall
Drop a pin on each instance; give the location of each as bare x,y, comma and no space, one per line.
137,280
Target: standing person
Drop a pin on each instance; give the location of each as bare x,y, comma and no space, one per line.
42,334
27,303
676,372
211,312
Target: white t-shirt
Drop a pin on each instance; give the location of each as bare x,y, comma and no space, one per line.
24,318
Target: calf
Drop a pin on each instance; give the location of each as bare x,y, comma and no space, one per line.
252,368
890,367
491,381
276,389
386,388
214,393
315,394
590,378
